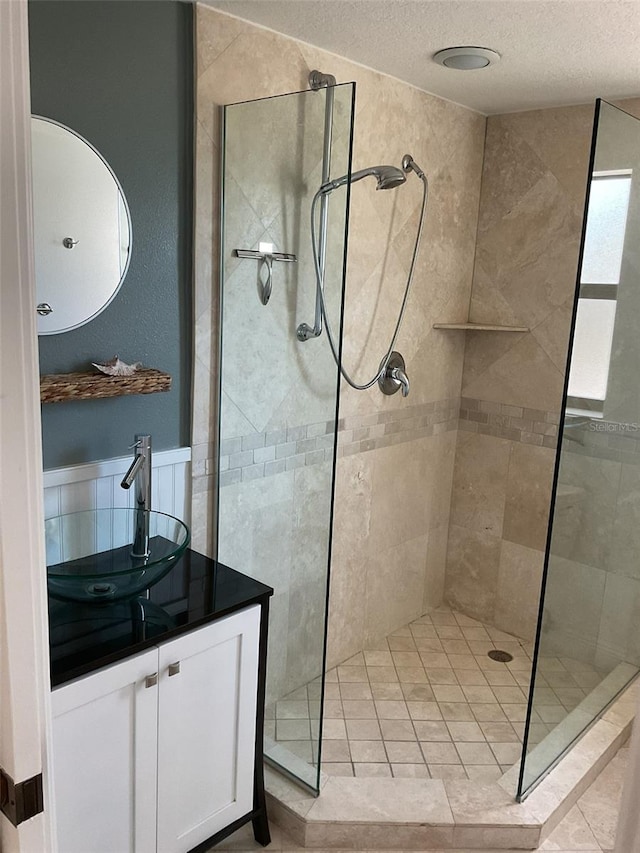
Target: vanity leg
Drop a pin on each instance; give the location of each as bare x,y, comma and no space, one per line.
260,822
261,831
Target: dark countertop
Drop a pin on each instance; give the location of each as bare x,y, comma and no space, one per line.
197,590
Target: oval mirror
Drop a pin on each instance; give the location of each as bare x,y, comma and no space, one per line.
82,228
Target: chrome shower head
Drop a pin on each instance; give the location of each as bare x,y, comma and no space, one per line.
388,177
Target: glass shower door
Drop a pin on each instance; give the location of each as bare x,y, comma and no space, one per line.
279,395
588,644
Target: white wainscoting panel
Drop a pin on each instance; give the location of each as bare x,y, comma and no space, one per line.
97,485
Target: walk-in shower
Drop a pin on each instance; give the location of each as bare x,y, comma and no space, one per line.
286,195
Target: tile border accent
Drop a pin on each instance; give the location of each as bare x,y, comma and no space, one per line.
264,454
516,423
598,438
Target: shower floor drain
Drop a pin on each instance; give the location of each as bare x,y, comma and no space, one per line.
498,654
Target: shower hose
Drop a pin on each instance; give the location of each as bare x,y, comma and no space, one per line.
320,286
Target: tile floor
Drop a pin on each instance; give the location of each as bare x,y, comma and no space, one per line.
427,701
589,827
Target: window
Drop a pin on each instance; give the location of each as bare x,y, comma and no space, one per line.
599,280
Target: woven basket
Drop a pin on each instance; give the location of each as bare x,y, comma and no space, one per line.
63,387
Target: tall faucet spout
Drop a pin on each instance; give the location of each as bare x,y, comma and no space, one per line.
140,473
132,473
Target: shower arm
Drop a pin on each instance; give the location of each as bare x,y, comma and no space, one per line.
318,81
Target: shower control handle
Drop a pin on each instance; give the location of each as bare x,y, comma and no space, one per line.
394,376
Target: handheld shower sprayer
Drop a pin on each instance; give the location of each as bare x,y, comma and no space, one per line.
391,375
388,177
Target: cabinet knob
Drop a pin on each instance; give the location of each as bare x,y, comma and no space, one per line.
174,668
151,680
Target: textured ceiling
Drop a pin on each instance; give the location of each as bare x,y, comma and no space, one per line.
554,52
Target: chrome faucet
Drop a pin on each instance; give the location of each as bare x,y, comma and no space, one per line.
398,374
392,376
140,473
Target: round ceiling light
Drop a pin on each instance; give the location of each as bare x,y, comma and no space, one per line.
466,58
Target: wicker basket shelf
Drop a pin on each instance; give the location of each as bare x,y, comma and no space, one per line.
66,387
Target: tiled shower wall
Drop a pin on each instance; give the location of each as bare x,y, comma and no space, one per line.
529,226
399,519
396,456
531,211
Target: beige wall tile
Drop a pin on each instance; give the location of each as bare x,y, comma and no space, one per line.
399,502
437,543
354,485
389,599
625,545
617,637
574,598
553,334
518,591
528,495
531,207
524,376
480,482
585,535
472,572
408,487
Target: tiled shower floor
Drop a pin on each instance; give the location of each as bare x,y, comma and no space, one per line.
427,701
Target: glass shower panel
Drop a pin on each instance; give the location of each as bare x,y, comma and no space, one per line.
588,644
279,395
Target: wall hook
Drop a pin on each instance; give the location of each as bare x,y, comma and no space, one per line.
69,242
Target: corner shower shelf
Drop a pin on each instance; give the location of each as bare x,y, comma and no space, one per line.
479,327
65,387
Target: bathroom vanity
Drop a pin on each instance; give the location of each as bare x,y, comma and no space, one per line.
158,711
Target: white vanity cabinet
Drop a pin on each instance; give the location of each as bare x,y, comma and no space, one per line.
156,753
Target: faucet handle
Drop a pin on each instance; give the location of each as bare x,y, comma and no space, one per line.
141,440
393,377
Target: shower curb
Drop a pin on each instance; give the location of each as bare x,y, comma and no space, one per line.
442,815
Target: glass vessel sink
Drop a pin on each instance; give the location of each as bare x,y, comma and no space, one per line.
89,554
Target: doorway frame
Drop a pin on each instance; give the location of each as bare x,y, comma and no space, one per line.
25,702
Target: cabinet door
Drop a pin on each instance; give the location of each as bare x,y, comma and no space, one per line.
206,730
104,759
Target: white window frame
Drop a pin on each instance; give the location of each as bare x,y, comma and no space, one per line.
594,407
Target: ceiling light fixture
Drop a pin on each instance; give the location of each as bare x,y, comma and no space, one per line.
466,58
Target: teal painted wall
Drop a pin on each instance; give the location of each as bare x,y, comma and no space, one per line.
121,75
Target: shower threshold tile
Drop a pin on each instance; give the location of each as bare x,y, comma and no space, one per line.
336,768
410,771
368,770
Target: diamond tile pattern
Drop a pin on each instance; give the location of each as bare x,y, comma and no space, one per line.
429,702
